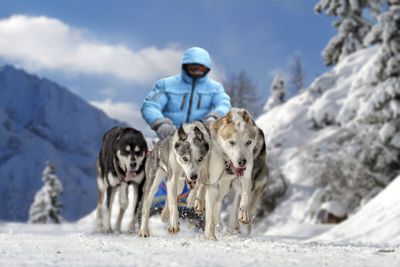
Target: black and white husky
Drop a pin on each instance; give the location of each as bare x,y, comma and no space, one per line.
185,152
121,162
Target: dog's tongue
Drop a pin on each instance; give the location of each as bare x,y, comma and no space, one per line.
130,175
237,171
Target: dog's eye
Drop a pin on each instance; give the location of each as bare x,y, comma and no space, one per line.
185,158
248,142
232,142
201,158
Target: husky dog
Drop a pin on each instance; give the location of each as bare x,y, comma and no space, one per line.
259,182
121,162
234,138
185,152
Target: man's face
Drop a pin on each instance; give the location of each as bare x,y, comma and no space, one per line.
196,70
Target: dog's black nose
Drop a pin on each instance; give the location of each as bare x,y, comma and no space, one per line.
193,177
242,163
133,165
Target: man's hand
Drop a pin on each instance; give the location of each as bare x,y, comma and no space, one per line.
163,127
165,130
210,117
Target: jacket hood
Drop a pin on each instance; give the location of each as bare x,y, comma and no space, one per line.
197,55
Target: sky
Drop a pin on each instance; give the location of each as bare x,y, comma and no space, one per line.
111,53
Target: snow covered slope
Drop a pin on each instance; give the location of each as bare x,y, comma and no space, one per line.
377,222
307,125
40,121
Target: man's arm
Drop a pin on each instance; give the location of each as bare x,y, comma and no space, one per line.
154,103
221,102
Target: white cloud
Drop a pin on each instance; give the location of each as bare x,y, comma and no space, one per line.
125,112
47,43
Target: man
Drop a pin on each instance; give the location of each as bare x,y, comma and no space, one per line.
188,96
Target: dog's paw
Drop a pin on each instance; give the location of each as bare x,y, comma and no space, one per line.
165,215
234,231
144,233
174,229
244,216
211,237
198,206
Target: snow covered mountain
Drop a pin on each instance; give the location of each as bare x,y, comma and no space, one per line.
40,121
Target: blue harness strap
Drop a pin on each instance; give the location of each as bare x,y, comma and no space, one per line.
161,195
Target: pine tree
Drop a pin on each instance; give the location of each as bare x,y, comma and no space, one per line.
387,32
45,208
277,93
352,27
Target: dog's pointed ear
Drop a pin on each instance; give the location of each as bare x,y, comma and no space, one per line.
247,117
181,133
119,133
198,133
228,117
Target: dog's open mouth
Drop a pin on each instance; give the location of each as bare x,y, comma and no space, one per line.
236,171
130,175
190,183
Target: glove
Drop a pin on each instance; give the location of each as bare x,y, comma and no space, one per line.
165,130
163,127
210,117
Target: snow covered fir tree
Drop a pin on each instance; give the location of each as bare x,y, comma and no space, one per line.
277,93
46,207
352,27
386,32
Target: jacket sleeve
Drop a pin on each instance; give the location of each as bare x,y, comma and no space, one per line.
221,102
154,103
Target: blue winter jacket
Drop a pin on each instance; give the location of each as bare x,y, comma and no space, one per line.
183,99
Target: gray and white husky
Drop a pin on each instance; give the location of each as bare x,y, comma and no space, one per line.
234,138
185,152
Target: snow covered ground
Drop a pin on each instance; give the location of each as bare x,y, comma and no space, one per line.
77,245
369,238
